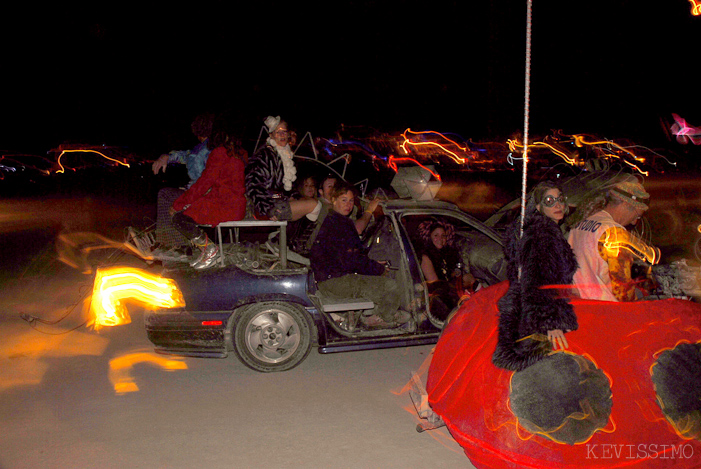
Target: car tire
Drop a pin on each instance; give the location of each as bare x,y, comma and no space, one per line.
272,336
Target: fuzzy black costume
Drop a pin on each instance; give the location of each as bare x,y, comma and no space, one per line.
264,179
546,259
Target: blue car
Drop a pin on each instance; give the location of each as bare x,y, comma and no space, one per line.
264,304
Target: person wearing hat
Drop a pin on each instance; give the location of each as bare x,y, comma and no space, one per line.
604,248
270,175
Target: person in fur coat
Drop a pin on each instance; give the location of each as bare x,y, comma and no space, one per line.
534,315
269,178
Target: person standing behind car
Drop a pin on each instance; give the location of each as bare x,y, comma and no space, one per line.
342,269
605,249
535,314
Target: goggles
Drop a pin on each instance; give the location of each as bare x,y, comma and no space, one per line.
550,201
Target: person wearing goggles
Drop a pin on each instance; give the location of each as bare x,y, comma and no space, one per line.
534,315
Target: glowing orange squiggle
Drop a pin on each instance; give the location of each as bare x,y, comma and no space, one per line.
393,160
580,142
454,156
695,8
63,170
514,145
116,285
615,240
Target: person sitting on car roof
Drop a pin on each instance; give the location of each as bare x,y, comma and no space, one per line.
342,268
270,174
217,196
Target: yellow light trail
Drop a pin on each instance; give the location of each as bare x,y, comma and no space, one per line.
115,285
514,145
617,239
580,141
63,170
454,156
695,7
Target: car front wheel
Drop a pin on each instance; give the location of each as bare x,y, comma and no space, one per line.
272,336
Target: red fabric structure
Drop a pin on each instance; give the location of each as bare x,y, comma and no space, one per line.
622,339
218,195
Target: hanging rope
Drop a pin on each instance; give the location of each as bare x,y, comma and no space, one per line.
526,111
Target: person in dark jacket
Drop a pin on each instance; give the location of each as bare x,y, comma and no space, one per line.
270,174
342,269
534,315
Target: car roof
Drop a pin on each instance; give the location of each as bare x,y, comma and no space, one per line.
399,204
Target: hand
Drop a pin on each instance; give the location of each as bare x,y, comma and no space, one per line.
172,211
372,206
386,265
557,337
160,163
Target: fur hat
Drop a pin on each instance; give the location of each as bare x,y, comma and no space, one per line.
631,192
272,123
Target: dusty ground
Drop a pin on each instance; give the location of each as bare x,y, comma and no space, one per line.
61,405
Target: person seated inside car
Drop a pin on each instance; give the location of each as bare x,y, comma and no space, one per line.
301,233
361,220
342,269
447,279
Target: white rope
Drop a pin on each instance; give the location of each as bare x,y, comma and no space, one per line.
526,111
526,114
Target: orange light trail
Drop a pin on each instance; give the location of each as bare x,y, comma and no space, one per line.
616,239
63,170
580,142
516,146
454,156
120,369
392,162
116,285
695,7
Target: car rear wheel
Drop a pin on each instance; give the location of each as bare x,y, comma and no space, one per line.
272,336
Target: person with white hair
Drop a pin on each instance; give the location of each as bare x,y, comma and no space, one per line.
270,175
605,249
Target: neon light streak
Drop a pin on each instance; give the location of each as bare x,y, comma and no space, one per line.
616,240
63,170
454,156
394,160
695,7
515,145
116,285
684,132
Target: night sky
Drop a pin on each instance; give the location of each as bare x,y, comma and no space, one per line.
135,76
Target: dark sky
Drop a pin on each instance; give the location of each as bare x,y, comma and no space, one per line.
136,76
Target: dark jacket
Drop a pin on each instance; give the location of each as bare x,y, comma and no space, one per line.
444,260
264,178
546,259
337,250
